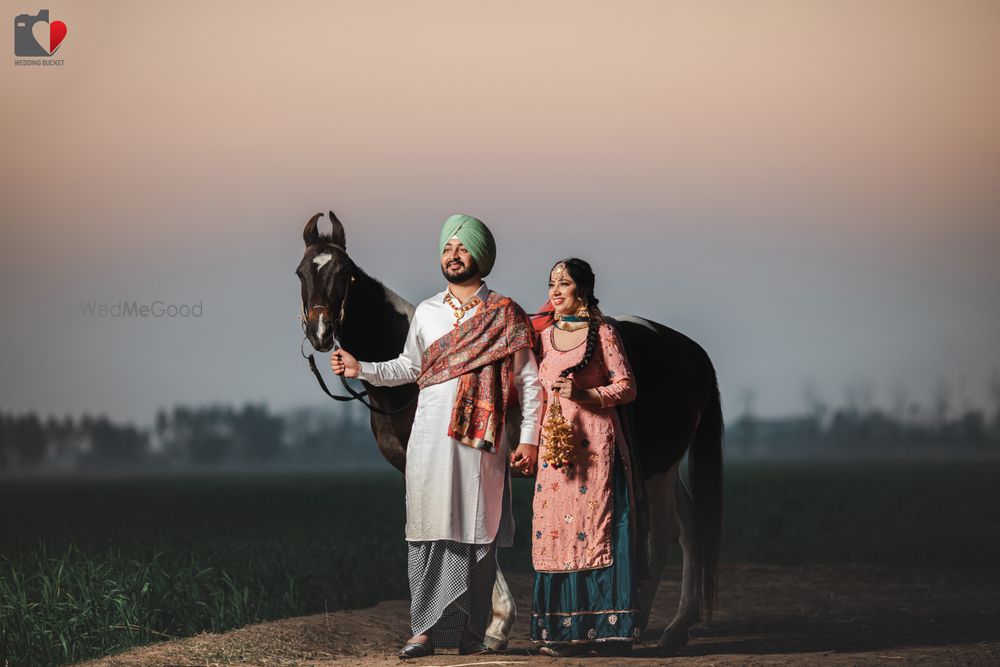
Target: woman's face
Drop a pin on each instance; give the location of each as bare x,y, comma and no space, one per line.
562,291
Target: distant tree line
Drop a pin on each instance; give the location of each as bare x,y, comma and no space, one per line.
186,437
908,428
339,436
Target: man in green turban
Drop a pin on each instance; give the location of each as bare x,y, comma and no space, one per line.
475,236
467,346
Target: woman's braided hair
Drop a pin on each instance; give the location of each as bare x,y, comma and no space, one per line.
581,273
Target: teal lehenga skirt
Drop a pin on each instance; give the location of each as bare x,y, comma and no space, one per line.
598,605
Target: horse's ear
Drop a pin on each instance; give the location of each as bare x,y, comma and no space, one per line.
310,234
338,232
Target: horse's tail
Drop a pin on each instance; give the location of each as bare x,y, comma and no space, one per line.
705,478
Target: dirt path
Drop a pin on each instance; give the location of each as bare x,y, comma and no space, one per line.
766,616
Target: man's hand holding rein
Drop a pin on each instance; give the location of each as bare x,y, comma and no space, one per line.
343,363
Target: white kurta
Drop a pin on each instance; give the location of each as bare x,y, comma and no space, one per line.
453,491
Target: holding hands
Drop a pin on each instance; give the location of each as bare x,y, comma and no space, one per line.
343,363
524,458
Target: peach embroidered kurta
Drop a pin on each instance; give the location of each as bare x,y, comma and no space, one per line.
572,518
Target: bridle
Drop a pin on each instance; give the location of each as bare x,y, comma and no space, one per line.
338,327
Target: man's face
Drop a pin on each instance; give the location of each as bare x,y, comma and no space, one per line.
457,263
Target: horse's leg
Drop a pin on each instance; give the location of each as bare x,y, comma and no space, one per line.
688,612
504,613
664,532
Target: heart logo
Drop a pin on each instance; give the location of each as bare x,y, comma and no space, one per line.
57,34
49,35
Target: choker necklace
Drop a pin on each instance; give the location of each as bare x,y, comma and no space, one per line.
571,322
460,311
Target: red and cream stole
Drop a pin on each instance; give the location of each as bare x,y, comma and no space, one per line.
480,352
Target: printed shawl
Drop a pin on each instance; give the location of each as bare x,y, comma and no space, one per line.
480,352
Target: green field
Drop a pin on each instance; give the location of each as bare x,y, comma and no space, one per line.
93,566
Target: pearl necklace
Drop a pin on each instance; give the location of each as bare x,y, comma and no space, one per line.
460,311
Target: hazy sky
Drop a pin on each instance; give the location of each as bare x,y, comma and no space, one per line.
808,189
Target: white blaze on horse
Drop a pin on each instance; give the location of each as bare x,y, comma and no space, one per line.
677,411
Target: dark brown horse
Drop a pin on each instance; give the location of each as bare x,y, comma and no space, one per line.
677,411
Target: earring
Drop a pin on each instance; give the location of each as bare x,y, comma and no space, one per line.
582,311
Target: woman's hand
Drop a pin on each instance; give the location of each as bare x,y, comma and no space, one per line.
343,363
565,388
568,390
524,458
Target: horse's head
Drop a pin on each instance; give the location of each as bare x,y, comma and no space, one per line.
326,273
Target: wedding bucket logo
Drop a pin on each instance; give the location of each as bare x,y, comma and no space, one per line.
37,37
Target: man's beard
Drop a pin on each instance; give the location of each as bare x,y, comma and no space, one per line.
461,276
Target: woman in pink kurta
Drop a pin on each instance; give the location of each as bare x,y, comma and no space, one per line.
583,515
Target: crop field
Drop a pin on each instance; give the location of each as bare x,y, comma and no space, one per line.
89,567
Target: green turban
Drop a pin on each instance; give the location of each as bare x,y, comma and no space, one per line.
475,236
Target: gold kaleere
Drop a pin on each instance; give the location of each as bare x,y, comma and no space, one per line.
557,435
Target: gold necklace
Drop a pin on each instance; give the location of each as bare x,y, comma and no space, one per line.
459,311
571,326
